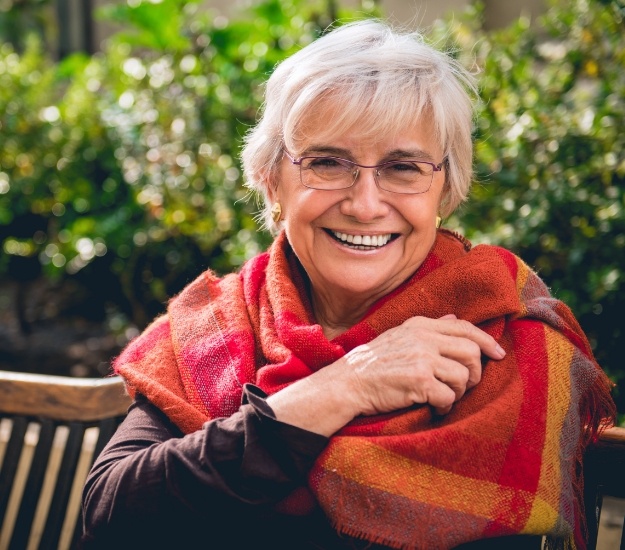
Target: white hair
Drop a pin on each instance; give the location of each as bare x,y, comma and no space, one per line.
378,81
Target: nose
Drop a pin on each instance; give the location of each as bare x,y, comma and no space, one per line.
364,198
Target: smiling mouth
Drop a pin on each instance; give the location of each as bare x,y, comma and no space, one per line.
362,242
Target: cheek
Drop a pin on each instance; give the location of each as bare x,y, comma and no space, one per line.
423,214
292,206
303,204
430,209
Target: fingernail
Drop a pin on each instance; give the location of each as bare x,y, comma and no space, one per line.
500,351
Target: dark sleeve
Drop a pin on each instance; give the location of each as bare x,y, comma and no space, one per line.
150,473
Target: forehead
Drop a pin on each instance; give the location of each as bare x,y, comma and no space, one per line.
337,118
331,129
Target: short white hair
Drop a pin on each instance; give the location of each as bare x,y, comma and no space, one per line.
378,81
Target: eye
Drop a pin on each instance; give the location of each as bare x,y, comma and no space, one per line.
404,167
323,163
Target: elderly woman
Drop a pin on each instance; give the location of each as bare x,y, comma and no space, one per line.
372,379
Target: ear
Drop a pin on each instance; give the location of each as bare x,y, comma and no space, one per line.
271,185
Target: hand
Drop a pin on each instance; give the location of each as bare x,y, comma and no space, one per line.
423,360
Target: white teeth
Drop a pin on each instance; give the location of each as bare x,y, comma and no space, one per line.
363,240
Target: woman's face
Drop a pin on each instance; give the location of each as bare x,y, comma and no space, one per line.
318,223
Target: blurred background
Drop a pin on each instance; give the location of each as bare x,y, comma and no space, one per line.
121,124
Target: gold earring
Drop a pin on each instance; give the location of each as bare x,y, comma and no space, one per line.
439,220
276,212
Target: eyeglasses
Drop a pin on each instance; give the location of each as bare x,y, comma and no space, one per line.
408,177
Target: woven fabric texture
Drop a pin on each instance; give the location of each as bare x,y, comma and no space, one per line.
506,459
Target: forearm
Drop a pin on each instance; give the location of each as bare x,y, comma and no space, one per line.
149,472
321,403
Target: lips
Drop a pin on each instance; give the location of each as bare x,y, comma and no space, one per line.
362,242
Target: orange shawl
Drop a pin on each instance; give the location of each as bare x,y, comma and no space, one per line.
505,461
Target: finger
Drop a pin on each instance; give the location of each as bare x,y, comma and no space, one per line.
465,329
448,316
442,411
463,353
454,375
440,396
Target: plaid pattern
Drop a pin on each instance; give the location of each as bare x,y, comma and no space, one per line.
506,460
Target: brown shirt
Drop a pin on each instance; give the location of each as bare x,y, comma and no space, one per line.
154,487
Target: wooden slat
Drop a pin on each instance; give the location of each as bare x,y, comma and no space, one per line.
62,397
10,463
63,487
32,489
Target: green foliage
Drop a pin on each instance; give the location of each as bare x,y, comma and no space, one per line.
549,157
19,18
122,169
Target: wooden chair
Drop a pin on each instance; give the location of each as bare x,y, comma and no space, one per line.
604,475
51,429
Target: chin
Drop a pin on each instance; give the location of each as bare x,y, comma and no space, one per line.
365,287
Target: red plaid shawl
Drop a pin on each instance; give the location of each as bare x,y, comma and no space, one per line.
506,460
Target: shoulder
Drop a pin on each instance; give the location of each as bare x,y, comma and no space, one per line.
208,285
454,245
493,261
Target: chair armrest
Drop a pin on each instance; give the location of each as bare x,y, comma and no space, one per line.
62,397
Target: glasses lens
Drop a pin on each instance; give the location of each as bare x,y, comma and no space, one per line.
405,177
326,172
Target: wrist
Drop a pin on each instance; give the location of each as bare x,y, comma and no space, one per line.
322,402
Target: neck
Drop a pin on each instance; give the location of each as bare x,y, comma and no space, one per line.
336,315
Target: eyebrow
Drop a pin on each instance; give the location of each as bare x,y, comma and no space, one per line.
419,154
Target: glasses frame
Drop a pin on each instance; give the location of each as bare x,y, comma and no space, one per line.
376,171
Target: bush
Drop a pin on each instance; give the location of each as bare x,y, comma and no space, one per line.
120,171
549,157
